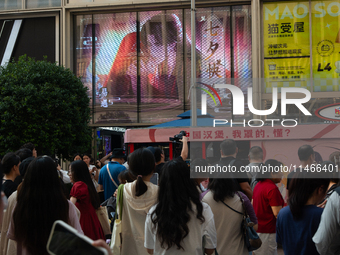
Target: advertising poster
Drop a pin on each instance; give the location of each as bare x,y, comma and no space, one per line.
326,45
286,45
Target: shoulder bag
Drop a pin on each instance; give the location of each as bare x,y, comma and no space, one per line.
251,238
108,170
116,239
104,219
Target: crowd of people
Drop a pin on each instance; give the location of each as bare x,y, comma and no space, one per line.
177,215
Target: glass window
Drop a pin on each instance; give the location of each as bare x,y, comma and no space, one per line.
144,77
42,3
10,4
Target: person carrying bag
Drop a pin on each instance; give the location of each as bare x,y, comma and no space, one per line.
116,239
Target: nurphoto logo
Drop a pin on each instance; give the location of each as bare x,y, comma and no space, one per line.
238,104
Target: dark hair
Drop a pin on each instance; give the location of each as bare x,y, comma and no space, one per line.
80,172
24,165
222,188
8,161
78,154
228,147
264,175
256,153
331,167
87,154
126,176
40,202
305,151
176,196
30,146
141,162
24,153
301,189
158,154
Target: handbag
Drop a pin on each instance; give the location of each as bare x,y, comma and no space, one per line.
104,219
116,238
251,238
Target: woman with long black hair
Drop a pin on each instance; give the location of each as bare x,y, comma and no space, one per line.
85,197
179,222
297,223
40,202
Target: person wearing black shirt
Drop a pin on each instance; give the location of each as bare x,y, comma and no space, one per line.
10,167
229,152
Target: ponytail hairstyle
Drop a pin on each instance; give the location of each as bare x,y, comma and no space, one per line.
177,196
8,161
302,188
141,163
80,172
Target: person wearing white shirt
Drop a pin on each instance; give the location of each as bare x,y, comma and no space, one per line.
179,223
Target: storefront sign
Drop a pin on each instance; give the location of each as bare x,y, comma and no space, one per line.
326,45
286,45
329,112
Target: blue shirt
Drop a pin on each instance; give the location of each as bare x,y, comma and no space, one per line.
105,180
296,235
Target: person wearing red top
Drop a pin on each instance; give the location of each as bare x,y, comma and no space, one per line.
267,202
84,196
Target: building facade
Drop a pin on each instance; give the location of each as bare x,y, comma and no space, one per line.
134,56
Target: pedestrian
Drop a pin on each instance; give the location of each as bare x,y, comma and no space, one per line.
298,222
138,197
179,222
40,202
267,202
85,197
108,176
225,202
10,167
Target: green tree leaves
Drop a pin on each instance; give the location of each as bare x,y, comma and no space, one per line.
43,103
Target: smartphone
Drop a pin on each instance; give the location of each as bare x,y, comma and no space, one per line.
154,179
66,240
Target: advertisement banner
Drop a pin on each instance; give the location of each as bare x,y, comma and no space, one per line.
326,45
286,44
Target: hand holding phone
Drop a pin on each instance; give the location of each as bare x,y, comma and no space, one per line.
66,240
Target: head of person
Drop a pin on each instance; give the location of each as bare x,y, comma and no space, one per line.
118,156
272,170
255,154
10,164
333,174
199,163
126,176
306,188
222,188
99,164
40,202
77,156
306,154
87,158
177,197
228,148
159,155
24,153
80,172
30,146
141,164
24,165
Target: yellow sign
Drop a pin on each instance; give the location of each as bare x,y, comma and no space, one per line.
286,45
289,72
286,29
326,45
